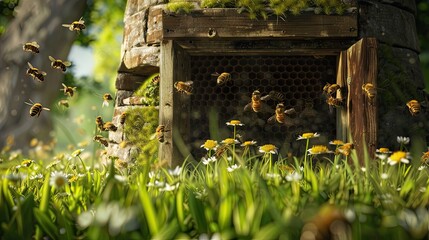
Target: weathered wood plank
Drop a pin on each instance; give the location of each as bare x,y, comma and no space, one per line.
342,124
408,5
227,23
273,47
361,112
165,152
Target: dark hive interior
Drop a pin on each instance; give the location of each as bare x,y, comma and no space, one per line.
299,78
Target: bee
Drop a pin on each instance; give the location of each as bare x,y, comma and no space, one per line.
36,108
106,98
334,102
63,102
100,123
280,115
68,90
122,118
414,107
36,73
109,126
274,95
222,78
102,140
345,149
184,87
76,25
155,80
221,150
425,157
256,103
160,130
58,64
369,90
331,89
31,47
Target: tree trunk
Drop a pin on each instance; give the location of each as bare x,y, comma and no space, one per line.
36,20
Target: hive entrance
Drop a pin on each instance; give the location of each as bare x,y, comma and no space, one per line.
299,78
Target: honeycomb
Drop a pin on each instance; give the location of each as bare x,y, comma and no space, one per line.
299,78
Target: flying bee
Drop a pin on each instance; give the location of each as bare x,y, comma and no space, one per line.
256,103
36,108
334,102
36,73
101,140
160,130
345,149
280,115
274,95
58,64
106,98
414,107
184,87
109,126
369,90
122,118
100,123
222,78
64,103
331,89
68,90
76,25
31,47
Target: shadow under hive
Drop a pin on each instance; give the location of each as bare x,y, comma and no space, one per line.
299,78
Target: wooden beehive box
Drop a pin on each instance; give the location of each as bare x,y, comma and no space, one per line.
296,56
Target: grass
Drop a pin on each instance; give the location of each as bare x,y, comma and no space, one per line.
238,193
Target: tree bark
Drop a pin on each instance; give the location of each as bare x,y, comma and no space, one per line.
36,20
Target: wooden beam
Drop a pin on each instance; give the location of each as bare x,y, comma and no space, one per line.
227,23
361,111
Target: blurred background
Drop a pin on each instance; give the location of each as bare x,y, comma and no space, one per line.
95,56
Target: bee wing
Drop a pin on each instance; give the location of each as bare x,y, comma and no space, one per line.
63,86
215,74
52,59
248,107
290,111
43,73
35,44
272,119
67,63
81,20
189,83
66,25
47,109
153,136
266,97
29,64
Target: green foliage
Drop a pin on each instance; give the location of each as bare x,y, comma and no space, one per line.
218,3
7,13
149,90
140,128
180,6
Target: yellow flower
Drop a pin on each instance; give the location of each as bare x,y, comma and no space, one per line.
308,136
230,141
77,152
336,142
268,148
248,143
398,157
210,145
318,149
234,123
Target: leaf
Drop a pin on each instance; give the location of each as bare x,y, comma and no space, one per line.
46,224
